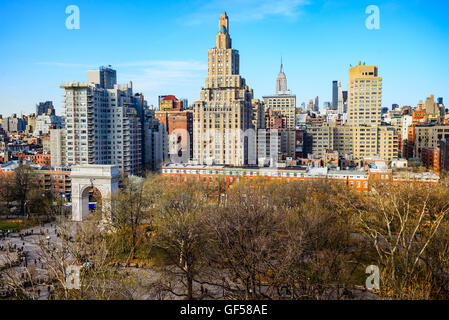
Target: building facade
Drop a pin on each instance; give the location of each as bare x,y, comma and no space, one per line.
444,155
365,95
102,123
45,108
222,118
430,158
178,126
44,122
283,101
429,136
352,179
57,147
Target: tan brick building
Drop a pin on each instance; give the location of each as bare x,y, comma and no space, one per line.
429,136
224,112
364,116
363,136
364,95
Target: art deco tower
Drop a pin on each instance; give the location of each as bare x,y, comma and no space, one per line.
283,101
281,82
224,112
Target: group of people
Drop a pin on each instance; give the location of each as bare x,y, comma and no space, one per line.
11,248
4,234
23,257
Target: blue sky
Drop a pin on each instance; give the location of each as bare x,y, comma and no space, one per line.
162,46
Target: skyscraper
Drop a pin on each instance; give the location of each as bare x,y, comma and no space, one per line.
102,123
281,82
224,111
283,101
364,115
345,101
362,135
340,100
335,95
365,95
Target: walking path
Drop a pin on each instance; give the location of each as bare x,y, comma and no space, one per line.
23,247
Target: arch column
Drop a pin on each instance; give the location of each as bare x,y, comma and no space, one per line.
103,177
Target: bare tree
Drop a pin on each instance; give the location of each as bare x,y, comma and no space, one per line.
25,182
81,245
131,207
181,236
316,260
436,260
244,242
402,221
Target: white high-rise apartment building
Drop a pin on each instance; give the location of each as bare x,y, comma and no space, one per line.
103,125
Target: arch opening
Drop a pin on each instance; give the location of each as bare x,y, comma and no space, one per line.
94,197
92,187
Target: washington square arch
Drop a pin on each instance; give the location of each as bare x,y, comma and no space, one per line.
104,178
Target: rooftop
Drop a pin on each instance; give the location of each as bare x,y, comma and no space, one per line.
303,169
14,164
169,97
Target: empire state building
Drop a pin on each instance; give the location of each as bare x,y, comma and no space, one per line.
223,114
283,101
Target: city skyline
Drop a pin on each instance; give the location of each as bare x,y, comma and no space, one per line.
160,63
286,164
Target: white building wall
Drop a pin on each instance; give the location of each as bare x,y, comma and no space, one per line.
102,127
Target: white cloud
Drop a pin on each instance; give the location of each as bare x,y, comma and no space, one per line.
154,78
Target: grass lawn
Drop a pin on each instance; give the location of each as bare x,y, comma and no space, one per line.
17,224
